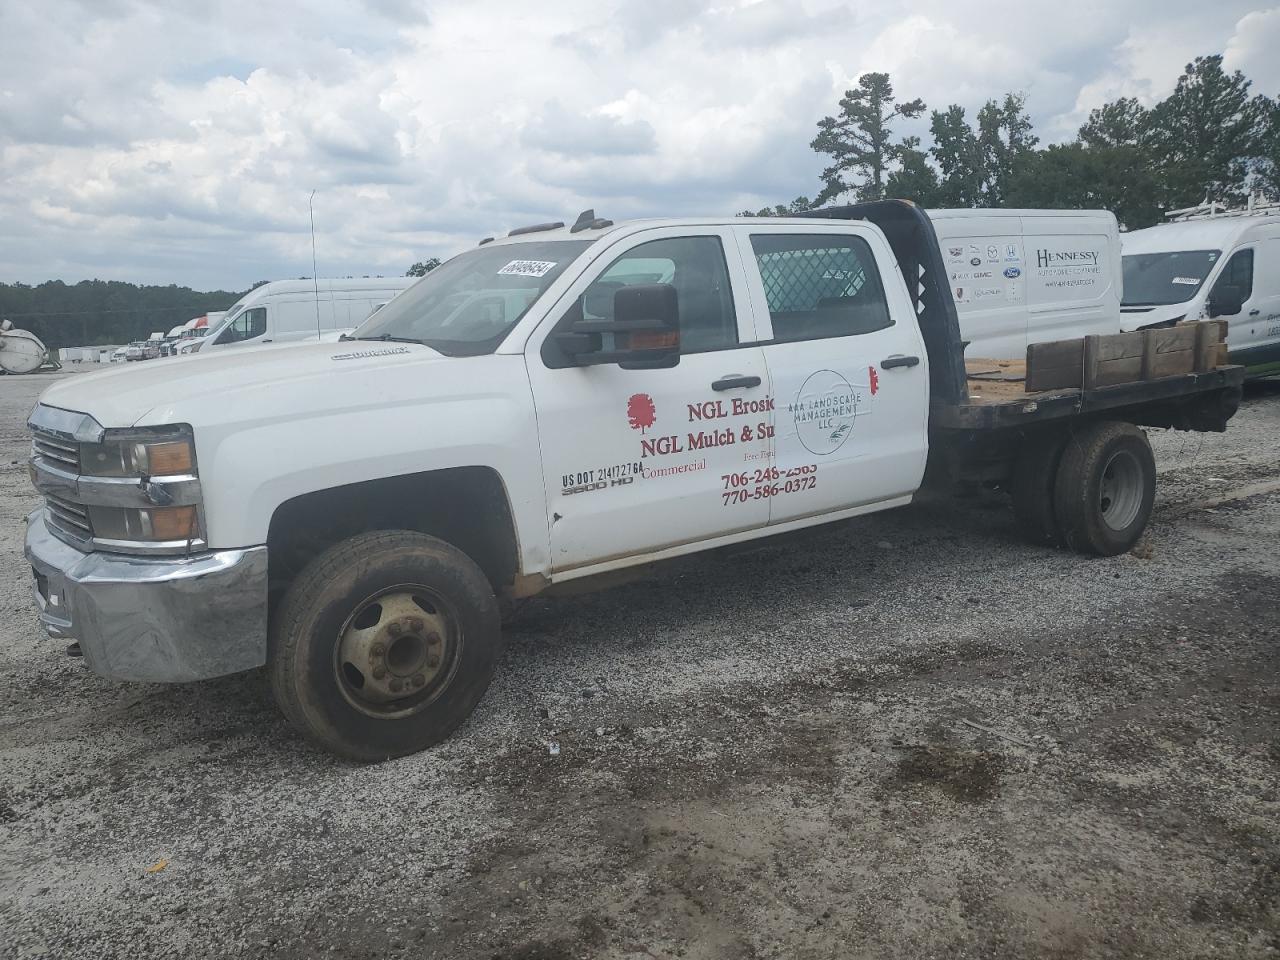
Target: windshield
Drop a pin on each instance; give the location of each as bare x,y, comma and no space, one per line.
466,306
1156,279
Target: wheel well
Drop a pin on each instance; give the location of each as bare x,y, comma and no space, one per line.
464,506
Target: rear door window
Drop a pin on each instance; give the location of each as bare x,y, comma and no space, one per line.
819,286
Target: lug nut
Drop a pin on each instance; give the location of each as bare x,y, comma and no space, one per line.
377,650
433,639
419,680
433,660
394,628
396,685
379,672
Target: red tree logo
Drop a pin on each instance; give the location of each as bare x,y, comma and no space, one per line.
874,380
640,412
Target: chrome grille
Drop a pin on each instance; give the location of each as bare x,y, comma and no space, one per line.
70,518
61,453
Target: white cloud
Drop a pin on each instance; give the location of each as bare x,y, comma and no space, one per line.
1252,50
179,141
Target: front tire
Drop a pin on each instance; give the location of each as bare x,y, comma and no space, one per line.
384,644
1105,488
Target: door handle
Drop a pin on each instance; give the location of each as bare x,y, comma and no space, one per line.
734,381
1254,312
899,361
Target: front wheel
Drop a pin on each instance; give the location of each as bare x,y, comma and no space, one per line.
1105,488
384,644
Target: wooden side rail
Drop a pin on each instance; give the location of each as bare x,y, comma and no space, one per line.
1110,359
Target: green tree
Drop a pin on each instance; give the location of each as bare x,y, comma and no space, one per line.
95,312
1075,176
1267,168
914,179
859,139
422,267
798,205
958,153
1004,137
1120,123
1206,136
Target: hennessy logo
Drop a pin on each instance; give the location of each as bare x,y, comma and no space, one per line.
1058,258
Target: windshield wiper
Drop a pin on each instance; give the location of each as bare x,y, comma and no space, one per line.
388,338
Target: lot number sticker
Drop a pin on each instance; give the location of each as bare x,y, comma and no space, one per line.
527,268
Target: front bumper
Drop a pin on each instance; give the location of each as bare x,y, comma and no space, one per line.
150,618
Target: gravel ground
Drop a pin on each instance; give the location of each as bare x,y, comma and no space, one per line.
905,736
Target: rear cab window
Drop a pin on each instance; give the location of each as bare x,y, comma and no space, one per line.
819,285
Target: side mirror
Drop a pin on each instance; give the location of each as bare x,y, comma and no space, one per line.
645,329
1226,301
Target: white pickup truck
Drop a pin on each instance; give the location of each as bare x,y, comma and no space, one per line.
550,406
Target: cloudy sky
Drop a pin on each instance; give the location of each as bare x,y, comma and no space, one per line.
177,142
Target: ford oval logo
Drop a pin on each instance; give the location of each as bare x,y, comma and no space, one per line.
1013,273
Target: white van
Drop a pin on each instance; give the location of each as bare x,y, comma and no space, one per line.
287,310
1027,276
1220,265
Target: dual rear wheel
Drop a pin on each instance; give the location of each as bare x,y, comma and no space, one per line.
1091,490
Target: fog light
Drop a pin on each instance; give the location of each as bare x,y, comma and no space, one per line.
150,525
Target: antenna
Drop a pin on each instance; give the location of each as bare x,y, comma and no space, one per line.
315,277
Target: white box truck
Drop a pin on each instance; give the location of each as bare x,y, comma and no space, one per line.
1210,263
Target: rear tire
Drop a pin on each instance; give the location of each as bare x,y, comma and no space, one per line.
384,644
1105,488
1035,472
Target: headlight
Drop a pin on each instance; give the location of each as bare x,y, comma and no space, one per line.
142,487
158,525
161,452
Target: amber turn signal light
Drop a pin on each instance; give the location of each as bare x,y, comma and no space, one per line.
169,459
173,523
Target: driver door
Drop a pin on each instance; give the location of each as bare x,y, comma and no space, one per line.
638,461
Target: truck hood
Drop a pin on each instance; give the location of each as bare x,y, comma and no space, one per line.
161,391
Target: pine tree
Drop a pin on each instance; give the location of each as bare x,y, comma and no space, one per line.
860,139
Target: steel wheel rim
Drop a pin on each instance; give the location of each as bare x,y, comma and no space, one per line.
1120,491
397,651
